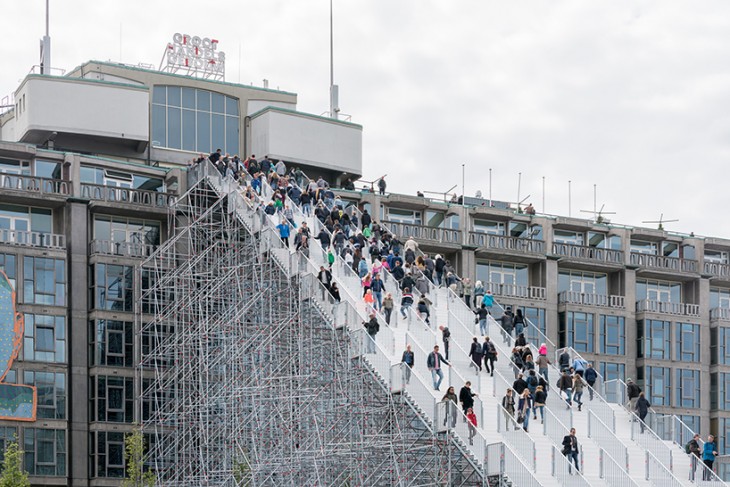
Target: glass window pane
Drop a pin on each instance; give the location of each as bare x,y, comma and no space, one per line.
158,94
159,126
203,142
173,128
218,131
203,100
188,136
173,96
231,106
231,135
188,98
218,103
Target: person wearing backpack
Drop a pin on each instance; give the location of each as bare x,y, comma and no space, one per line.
508,404
692,448
590,376
532,384
540,400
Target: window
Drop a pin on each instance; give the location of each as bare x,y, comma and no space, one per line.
7,434
107,450
119,179
719,298
194,120
112,399
577,331
112,287
111,343
47,169
662,291
716,256
45,338
502,273
643,247
488,226
45,451
117,229
658,385
692,422
612,371
688,342
613,335
721,428
398,215
670,249
719,390
688,388
44,281
720,346
7,265
51,390
536,316
518,229
582,282
566,237
14,166
654,339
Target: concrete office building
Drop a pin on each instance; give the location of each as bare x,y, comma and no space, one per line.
91,162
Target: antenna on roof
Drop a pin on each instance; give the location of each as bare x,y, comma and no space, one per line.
334,89
46,47
661,221
598,214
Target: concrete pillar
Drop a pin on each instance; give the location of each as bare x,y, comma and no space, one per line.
705,358
632,350
551,312
78,384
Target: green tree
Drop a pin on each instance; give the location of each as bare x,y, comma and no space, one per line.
13,474
135,458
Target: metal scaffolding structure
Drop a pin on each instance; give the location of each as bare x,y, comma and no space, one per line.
246,380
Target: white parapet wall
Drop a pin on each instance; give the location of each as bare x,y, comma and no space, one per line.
46,104
303,138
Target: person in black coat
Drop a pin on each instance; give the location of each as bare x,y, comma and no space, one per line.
476,354
466,397
642,408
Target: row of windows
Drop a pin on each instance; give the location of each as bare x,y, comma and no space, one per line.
578,330
44,279
657,382
655,340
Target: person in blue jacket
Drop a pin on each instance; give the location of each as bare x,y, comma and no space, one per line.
709,452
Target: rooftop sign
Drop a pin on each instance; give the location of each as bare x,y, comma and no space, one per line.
194,56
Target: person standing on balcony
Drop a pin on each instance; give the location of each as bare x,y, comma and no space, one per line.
642,409
693,449
468,290
709,452
632,392
446,337
433,362
409,359
590,375
388,306
482,314
478,294
381,186
476,354
489,351
570,449
519,323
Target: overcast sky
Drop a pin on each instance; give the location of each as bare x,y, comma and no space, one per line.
633,96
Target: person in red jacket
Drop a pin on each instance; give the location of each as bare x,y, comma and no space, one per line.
471,417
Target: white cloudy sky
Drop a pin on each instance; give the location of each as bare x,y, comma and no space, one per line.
630,95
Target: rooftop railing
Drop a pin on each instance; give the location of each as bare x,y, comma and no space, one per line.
123,249
679,309
588,253
664,263
32,239
516,291
588,299
35,184
114,194
424,232
505,242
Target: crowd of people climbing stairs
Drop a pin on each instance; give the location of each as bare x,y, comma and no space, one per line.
375,254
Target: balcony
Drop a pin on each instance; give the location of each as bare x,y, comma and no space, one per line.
516,291
678,309
32,239
114,194
660,262
122,249
34,184
504,242
586,299
717,269
720,314
593,254
423,232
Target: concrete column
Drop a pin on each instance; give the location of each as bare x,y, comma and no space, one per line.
551,312
632,350
78,385
705,357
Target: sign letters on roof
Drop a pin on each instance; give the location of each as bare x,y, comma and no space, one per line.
195,55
